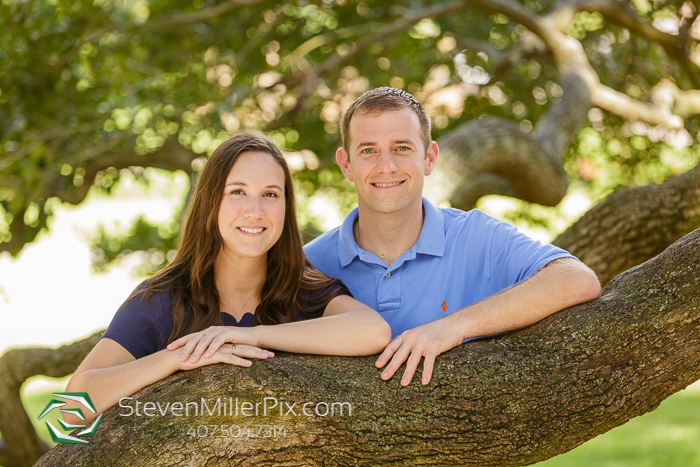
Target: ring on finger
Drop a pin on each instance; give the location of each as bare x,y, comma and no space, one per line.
233,349
207,333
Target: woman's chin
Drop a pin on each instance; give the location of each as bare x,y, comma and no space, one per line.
247,253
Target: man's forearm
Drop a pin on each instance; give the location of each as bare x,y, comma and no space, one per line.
562,283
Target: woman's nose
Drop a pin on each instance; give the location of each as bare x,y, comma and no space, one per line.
254,209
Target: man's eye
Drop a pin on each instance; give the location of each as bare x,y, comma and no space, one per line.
403,148
367,151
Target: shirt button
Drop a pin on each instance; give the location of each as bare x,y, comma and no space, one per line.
388,274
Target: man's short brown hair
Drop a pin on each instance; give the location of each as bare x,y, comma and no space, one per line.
380,100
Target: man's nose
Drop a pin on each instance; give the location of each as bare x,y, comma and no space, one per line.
386,163
253,209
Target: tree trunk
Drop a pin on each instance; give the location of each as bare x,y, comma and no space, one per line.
505,401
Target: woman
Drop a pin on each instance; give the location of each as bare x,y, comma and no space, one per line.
239,284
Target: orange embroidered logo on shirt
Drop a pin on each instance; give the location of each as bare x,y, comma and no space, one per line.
444,306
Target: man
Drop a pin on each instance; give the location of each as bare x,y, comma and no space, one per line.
438,276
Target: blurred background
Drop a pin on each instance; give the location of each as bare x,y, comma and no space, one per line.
542,109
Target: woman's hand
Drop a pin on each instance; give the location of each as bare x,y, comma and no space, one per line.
224,354
209,342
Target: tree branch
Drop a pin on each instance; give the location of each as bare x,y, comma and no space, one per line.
635,224
22,445
562,16
306,79
171,156
194,17
570,57
510,400
494,156
156,25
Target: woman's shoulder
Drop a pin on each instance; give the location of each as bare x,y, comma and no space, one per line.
143,322
147,299
317,288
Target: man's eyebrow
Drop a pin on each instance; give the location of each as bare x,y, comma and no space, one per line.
372,143
245,184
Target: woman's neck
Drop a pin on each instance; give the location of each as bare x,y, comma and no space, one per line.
239,282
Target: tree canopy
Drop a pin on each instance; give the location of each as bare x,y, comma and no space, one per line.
92,89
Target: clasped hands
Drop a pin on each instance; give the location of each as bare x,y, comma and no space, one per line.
426,341
213,344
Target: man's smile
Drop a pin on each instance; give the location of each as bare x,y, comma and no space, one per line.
386,184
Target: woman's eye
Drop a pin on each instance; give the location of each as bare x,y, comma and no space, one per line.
270,194
236,192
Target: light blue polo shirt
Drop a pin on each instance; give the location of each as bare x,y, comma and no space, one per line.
459,258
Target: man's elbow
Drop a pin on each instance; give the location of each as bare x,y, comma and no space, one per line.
589,285
384,334
381,334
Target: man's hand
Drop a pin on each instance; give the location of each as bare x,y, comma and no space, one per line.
428,340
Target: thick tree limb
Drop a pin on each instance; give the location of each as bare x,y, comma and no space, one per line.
494,156
20,444
634,224
506,401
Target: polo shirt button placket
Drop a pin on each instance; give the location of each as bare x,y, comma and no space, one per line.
388,274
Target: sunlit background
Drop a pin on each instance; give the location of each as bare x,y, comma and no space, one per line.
144,75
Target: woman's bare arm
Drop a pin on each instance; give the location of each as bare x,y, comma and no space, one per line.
110,372
347,328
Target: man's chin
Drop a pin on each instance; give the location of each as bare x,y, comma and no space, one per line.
387,207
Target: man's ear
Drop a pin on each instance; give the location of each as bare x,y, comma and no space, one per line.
343,160
431,157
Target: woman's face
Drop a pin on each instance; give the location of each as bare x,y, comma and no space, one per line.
251,216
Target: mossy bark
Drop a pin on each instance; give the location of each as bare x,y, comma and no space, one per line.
504,401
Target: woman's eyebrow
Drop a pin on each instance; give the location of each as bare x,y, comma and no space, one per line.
245,184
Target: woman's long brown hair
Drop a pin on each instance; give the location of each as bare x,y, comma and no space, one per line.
292,285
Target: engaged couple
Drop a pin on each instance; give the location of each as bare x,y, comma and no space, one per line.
400,277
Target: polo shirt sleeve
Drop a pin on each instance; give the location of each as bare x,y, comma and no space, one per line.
514,257
138,324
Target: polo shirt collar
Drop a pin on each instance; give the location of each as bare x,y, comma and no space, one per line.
431,240
347,246
432,236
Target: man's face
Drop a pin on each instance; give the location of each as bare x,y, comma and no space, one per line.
387,160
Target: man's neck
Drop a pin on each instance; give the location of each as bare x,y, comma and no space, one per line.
389,235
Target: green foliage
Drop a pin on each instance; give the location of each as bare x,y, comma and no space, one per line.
162,239
90,88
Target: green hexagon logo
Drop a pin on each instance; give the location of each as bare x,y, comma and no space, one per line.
56,434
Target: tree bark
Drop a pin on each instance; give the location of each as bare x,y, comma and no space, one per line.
634,224
510,400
